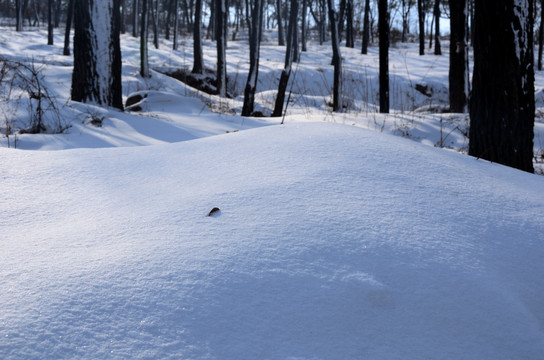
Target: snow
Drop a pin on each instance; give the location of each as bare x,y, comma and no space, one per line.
334,239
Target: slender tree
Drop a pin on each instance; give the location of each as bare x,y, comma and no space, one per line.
144,30
221,38
383,30
336,58
254,51
437,48
50,38
541,35
421,21
366,28
176,24
350,41
304,27
286,73
198,59
502,105
19,5
458,74
281,40
135,17
69,15
96,77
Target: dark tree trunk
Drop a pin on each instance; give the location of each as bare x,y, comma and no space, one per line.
155,21
336,58
144,29
383,30
221,38
421,20
281,40
135,17
437,48
458,75
69,13
123,17
406,6
19,4
176,25
286,73
254,50
366,28
350,42
541,35
304,30
50,22
502,106
96,77
198,65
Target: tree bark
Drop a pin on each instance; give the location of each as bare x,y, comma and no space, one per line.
281,40
458,73
221,38
304,35
254,51
69,14
541,35
198,65
50,38
383,30
96,77
336,58
502,106
176,25
350,42
286,73
437,48
366,28
135,17
144,29
421,20
19,4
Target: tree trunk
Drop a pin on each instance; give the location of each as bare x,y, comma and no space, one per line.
176,25
155,21
50,22
366,28
502,106
135,17
304,29
144,28
336,58
96,77
458,75
123,17
421,20
221,38
198,59
69,13
281,40
286,73
437,48
541,35
383,30
19,4
350,42
254,51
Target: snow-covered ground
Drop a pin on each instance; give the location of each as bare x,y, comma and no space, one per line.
332,241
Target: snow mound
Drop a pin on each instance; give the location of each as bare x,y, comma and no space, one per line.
333,242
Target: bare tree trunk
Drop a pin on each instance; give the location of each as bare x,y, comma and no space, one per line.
502,105
50,22
350,41
254,51
69,13
366,26
336,58
19,4
281,40
155,21
221,38
135,16
541,35
176,25
96,77
144,61
421,19
304,28
286,73
383,30
437,48
198,65
458,74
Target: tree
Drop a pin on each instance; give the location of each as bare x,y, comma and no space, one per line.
254,50
135,17
19,5
304,29
405,12
198,59
144,29
350,41
286,73
366,28
383,30
221,38
437,48
96,77
336,58
421,20
541,35
502,105
50,22
458,74
69,15
176,25
281,41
